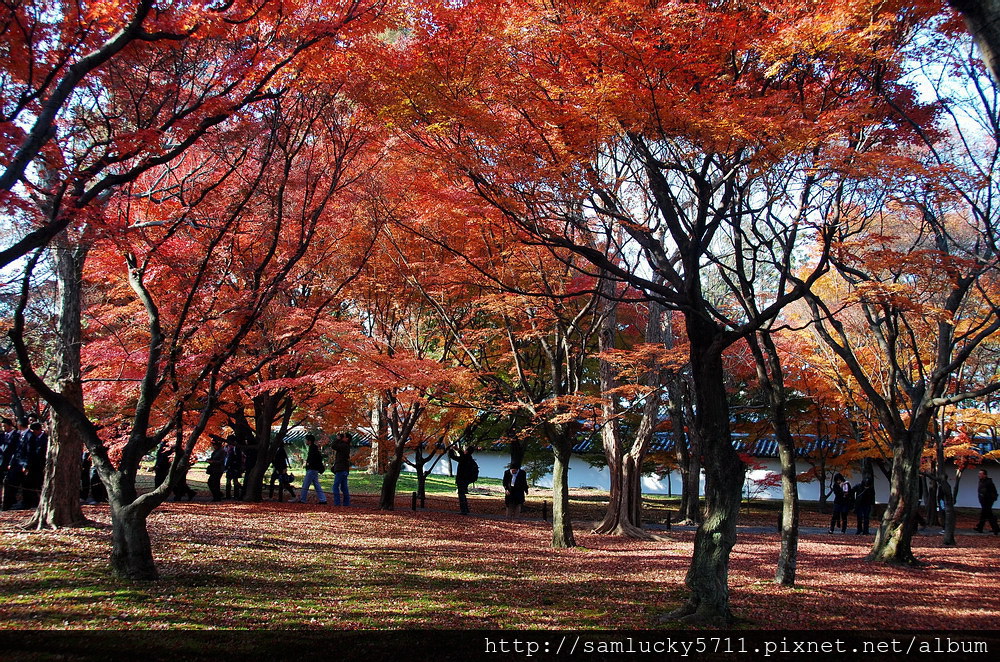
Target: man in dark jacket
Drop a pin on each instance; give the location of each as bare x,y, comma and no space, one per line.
987,496
515,486
341,468
466,473
10,440
36,445
864,500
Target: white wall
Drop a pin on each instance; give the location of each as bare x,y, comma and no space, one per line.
581,474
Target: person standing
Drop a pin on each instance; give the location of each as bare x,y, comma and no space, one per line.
987,496
216,467
17,466
466,474
279,474
314,467
864,501
10,439
841,503
341,468
37,448
161,466
515,487
234,469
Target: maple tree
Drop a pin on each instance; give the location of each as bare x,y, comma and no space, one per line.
661,124
210,245
915,301
100,93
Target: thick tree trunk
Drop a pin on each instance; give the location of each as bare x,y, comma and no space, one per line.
624,513
708,575
131,549
893,541
983,20
266,408
387,498
59,502
562,526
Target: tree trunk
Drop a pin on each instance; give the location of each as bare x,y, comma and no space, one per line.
894,537
983,20
131,549
772,382
59,502
788,554
378,460
688,447
387,498
624,514
266,407
708,575
562,525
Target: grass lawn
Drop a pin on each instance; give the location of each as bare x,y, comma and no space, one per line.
281,565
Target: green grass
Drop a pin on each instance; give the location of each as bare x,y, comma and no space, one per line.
366,483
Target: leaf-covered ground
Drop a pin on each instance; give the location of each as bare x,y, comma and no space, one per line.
272,565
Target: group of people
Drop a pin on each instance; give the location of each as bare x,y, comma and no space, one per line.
315,465
861,498
515,482
22,463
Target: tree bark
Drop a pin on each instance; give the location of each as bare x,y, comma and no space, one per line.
624,513
266,408
688,446
893,541
771,380
131,548
708,575
59,502
387,496
983,20
562,525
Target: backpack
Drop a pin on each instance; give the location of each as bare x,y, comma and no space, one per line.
473,470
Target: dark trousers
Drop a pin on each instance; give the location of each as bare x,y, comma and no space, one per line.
986,515
463,498
12,486
233,488
839,518
864,514
283,484
215,486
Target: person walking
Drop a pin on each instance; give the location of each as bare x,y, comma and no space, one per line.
515,487
314,467
864,501
341,468
987,496
466,474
